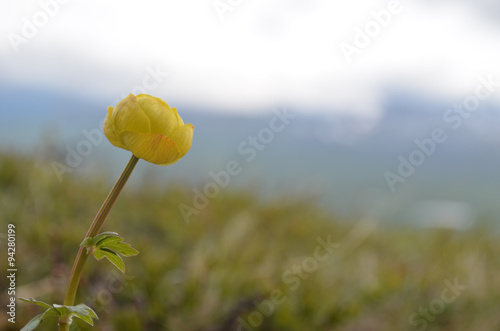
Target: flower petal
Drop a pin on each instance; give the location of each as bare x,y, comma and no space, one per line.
110,130
180,122
128,116
163,118
154,148
183,137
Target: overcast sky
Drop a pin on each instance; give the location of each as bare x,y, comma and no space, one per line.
251,54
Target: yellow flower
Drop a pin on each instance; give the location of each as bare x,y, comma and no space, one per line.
149,128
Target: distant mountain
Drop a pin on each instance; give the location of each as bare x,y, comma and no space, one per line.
341,159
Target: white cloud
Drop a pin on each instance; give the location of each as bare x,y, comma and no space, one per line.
263,53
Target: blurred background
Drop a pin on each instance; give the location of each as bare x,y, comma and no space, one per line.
374,122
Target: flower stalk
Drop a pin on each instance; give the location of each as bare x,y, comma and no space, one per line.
153,131
94,230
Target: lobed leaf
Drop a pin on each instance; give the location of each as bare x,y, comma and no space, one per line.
35,321
36,302
99,254
90,311
111,246
86,318
123,249
50,312
112,257
81,311
108,241
103,235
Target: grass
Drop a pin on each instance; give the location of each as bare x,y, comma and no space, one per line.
238,254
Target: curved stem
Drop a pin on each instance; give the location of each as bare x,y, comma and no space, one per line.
108,204
74,278
95,228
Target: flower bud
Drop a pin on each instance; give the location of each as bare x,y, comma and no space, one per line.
149,128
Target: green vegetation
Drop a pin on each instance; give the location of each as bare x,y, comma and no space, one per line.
239,252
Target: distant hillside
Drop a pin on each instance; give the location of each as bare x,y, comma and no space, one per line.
340,159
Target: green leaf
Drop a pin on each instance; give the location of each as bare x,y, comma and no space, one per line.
111,246
87,242
51,312
98,254
81,311
89,311
108,241
103,235
113,258
123,249
63,310
36,302
68,310
86,318
33,323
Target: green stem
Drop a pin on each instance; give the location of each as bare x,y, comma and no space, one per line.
95,228
64,326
